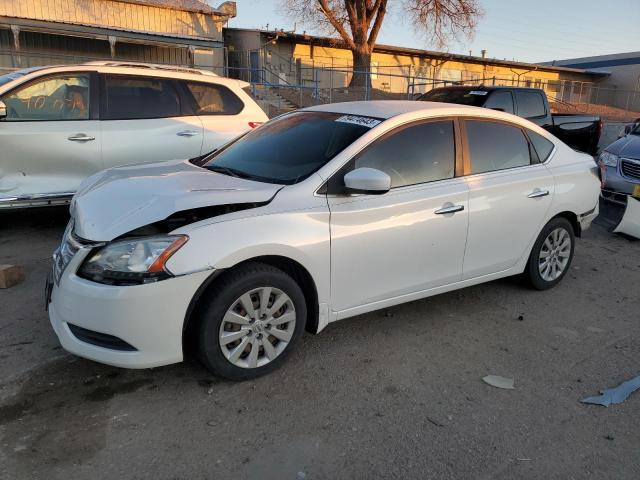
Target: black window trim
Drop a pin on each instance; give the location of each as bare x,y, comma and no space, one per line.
466,150
533,147
544,104
94,95
191,100
330,189
103,96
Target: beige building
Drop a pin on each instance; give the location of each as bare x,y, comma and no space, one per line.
297,59
181,32
621,85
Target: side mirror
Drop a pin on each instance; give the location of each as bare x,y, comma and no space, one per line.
367,180
3,110
627,129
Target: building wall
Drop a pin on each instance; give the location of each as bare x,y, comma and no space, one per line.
117,15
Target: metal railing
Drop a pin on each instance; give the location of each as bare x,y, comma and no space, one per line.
304,80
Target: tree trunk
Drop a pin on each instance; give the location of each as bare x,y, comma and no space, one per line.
361,69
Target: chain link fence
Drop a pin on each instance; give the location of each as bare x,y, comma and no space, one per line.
286,83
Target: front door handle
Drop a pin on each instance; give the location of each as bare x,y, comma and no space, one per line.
187,133
449,209
81,137
537,193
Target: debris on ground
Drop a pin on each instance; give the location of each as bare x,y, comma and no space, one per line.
614,395
11,275
499,382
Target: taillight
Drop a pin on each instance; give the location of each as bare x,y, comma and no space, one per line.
255,124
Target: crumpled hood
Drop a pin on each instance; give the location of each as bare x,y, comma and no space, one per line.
119,200
628,146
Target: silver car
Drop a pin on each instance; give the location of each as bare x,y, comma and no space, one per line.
620,166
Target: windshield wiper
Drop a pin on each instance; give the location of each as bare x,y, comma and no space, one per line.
232,172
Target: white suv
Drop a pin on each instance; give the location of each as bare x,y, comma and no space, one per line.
59,125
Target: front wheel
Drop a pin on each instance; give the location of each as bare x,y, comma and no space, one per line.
551,255
251,321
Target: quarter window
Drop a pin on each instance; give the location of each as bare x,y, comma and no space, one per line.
530,104
130,98
414,154
64,97
496,146
212,99
542,146
500,101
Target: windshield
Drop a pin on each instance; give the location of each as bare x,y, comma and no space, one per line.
4,79
462,96
289,148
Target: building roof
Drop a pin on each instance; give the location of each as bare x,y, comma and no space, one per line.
599,61
337,43
196,6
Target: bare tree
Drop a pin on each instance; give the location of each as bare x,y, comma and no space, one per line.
358,22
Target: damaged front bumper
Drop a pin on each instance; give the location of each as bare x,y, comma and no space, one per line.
126,326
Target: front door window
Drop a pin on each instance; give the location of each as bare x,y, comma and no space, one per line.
64,97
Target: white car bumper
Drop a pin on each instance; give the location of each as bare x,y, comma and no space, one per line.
149,318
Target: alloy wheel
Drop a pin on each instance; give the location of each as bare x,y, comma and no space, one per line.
554,254
257,327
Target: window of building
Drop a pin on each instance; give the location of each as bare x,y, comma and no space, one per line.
129,97
63,97
496,146
415,154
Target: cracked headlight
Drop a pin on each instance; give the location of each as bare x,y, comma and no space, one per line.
609,159
133,261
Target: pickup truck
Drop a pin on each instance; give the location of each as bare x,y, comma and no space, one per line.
580,132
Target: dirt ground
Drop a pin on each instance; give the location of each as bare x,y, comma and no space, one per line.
391,394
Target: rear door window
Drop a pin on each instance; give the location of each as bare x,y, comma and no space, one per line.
500,101
211,99
530,104
496,146
129,98
60,97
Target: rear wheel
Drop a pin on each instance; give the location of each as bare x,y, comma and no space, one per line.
551,255
251,322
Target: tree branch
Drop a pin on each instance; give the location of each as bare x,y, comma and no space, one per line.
335,23
377,24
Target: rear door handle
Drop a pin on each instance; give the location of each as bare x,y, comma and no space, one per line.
188,133
449,209
537,193
81,137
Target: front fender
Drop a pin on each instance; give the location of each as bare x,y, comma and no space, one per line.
301,235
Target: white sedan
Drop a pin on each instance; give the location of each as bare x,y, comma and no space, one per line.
317,216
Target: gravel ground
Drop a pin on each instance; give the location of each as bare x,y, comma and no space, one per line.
391,394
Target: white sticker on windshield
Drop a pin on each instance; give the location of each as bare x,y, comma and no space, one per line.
357,120
478,92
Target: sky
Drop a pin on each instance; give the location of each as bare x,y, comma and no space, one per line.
524,30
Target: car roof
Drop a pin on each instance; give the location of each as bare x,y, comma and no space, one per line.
392,108
129,68
484,88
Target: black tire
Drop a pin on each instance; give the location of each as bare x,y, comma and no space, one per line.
532,274
222,294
